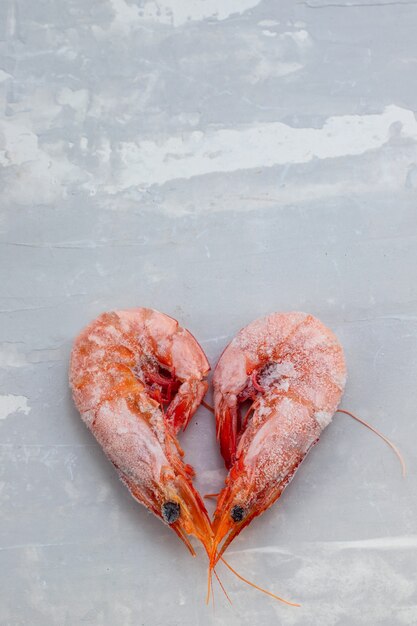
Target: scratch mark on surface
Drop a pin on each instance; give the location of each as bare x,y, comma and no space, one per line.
259,199
376,357
28,308
214,339
354,4
77,245
22,546
376,318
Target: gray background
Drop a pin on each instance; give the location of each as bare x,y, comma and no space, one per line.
216,160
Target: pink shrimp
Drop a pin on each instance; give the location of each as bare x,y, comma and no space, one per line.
292,369
137,378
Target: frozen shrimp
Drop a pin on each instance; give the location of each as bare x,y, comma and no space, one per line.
137,378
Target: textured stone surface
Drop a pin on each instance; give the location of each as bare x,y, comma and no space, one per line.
216,160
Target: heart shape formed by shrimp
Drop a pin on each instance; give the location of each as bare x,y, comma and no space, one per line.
137,378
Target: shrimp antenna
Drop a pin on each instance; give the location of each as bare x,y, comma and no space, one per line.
392,445
209,585
207,406
210,589
222,586
248,582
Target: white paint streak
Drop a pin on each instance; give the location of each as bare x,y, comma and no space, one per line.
268,23
45,169
15,355
405,542
184,10
19,144
76,99
264,145
300,37
10,404
4,76
267,68
175,12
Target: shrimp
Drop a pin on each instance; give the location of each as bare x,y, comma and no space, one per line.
137,378
291,369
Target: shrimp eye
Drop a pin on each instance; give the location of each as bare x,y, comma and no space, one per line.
237,513
170,512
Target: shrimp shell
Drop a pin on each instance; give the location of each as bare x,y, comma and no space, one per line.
124,367
292,370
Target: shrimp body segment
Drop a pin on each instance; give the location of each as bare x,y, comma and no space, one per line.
137,378
291,370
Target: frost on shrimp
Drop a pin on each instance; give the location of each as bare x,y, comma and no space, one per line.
291,370
137,378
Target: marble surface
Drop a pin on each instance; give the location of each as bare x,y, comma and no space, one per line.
216,160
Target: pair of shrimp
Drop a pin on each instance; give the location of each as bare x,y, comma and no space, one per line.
138,377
